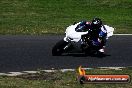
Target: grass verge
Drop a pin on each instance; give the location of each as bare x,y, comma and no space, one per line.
60,80
38,17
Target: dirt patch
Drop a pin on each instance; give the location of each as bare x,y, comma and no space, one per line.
42,76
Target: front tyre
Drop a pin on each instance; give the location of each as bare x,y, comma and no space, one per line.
58,49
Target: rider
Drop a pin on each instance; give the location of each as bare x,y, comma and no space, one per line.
96,31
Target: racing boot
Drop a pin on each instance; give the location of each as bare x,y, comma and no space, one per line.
101,51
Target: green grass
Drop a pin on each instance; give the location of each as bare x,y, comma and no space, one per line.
60,80
37,17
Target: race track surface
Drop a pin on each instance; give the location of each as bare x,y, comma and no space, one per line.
23,53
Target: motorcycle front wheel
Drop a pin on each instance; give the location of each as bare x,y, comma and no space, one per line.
59,48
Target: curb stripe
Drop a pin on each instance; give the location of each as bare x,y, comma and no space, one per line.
122,34
62,70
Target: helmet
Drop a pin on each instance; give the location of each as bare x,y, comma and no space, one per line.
96,23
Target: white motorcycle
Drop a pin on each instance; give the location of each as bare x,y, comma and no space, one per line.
74,39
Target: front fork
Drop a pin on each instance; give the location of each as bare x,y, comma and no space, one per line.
67,46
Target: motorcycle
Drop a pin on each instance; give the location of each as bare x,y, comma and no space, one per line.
75,40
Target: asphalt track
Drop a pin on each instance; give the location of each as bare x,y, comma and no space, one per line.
27,53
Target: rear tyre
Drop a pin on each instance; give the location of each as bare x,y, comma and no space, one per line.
58,49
